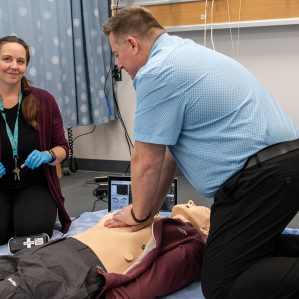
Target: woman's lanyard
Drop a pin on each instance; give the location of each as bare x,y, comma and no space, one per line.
13,138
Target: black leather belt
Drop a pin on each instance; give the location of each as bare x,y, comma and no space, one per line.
271,152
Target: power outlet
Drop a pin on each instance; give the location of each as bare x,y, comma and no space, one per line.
203,16
116,73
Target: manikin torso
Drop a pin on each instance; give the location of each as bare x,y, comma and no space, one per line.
119,248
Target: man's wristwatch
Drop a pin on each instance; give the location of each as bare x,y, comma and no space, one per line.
140,220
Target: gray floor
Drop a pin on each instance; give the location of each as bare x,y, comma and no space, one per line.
78,188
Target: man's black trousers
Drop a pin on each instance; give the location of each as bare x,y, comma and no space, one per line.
246,255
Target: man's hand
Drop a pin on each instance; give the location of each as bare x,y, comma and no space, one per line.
124,218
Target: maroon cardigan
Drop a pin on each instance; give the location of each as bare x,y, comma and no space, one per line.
51,134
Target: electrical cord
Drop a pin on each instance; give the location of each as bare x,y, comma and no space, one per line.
99,197
238,34
128,139
90,182
212,20
73,165
94,204
205,28
235,49
230,29
94,127
119,115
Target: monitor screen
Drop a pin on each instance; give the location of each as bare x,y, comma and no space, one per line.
120,194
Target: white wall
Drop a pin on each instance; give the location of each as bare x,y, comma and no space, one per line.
271,53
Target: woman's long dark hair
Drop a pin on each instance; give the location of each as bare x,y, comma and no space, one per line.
30,104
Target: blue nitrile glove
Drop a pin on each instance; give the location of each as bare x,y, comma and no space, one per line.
2,170
37,158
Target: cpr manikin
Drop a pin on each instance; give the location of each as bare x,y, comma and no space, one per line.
122,247
115,262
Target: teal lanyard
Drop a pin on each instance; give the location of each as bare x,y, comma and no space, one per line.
13,138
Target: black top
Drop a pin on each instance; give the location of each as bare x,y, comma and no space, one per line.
28,141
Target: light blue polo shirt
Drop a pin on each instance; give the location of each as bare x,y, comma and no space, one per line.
211,112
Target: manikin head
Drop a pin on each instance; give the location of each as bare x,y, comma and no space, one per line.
199,216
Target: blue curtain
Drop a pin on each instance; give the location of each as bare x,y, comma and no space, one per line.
70,56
